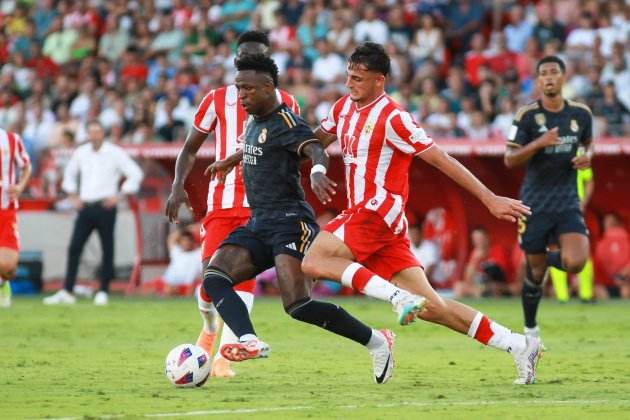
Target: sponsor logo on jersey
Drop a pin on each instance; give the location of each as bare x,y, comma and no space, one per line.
574,126
262,137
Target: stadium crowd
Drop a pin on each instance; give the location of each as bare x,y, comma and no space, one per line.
141,66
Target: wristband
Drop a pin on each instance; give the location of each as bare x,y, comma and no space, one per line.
319,168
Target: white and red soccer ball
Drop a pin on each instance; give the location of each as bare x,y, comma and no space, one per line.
187,366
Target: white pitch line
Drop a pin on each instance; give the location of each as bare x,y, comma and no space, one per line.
444,402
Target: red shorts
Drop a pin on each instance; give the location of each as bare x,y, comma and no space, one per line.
372,242
9,237
215,227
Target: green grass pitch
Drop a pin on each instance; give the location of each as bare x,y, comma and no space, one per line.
90,362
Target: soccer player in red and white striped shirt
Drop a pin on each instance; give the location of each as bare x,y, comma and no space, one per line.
220,112
15,171
367,243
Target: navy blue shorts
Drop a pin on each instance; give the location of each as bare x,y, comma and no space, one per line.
269,233
541,229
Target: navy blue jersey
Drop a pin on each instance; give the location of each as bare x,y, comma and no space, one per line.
271,159
550,179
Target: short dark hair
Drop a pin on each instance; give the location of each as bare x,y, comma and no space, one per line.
372,56
259,63
253,36
551,59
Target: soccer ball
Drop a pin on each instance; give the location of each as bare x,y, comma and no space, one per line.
187,366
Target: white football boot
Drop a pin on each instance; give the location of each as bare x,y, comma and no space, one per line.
383,358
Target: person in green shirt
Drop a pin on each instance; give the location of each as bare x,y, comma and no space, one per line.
559,278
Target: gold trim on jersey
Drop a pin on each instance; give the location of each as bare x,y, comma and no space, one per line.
288,118
304,143
521,112
512,144
579,105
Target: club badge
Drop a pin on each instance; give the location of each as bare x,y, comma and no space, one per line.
262,137
574,126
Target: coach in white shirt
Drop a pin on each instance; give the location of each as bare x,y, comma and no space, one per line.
91,179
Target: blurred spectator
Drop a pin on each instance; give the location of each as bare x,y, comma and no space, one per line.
548,27
503,120
500,58
399,32
478,128
59,42
63,125
329,67
169,39
612,260
474,59
292,11
582,38
428,42
617,71
426,251
236,14
487,271
611,113
265,10
519,30
463,20
184,270
114,41
370,28
339,35
43,16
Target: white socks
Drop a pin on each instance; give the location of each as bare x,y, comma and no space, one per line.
376,340
495,335
360,278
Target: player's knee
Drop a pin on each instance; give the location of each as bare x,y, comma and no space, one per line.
310,265
7,269
573,264
537,274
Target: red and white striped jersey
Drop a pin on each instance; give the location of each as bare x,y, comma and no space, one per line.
221,112
13,157
378,142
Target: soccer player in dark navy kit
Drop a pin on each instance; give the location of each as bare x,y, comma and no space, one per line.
553,138
282,224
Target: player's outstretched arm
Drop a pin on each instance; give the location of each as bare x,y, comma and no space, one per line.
322,186
503,208
516,156
183,165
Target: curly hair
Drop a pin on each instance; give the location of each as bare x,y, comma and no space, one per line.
372,56
253,36
259,63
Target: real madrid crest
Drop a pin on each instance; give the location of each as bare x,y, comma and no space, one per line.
262,137
574,126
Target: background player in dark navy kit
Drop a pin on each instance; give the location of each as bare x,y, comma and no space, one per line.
553,138
282,224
